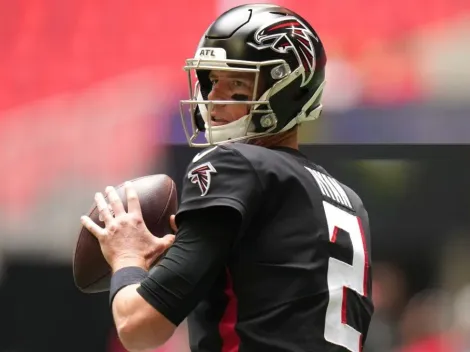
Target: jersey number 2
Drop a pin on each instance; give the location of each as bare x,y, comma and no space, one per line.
342,276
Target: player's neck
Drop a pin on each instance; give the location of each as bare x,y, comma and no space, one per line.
287,139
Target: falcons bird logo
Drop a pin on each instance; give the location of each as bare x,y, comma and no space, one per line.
289,34
201,176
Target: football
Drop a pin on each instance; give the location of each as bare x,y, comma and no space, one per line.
158,200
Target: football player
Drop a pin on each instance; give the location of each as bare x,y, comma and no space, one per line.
271,252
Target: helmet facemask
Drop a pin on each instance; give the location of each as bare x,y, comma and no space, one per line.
246,127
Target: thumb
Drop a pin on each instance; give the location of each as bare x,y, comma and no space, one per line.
173,224
166,241
161,246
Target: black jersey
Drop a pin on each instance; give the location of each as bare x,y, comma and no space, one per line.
294,274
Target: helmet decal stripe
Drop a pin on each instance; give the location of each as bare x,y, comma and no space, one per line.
289,35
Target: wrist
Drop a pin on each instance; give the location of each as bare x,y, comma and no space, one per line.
126,276
121,263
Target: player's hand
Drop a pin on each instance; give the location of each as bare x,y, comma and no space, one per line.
125,240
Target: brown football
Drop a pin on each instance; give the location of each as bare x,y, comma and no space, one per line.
158,200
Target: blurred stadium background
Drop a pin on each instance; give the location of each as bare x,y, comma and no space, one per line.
89,93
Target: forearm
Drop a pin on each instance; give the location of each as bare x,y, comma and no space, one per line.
140,327
146,314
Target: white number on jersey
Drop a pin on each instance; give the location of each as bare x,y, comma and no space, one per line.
342,276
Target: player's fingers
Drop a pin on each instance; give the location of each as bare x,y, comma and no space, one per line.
173,224
133,204
110,209
114,201
103,208
91,226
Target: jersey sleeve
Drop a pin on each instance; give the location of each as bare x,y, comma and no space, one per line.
220,176
187,272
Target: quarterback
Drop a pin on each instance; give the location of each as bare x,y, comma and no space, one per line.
271,253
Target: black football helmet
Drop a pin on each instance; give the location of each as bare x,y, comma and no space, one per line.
283,51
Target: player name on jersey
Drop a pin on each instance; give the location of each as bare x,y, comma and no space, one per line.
330,188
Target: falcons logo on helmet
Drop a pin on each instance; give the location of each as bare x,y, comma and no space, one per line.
201,176
289,34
